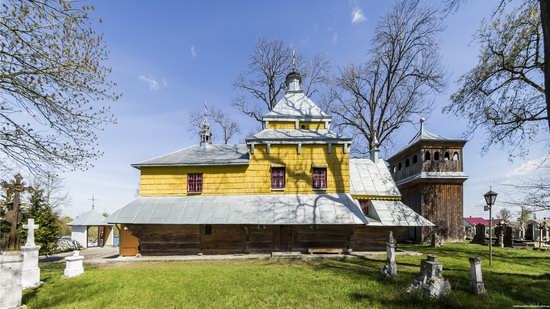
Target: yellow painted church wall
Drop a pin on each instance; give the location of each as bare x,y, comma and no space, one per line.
256,177
286,125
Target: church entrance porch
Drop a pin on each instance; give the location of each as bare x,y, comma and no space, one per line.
175,239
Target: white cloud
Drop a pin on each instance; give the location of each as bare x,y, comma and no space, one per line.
530,166
193,51
154,84
357,15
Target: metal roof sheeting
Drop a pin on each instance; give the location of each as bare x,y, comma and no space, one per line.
243,209
208,154
297,135
395,213
91,217
369,178
296,105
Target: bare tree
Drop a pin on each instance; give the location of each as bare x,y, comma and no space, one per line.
505,215
532,191
224,127
53,85
504,94
375,99
263,84
54,191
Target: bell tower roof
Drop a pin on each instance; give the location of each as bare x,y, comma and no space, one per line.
424,136
205,134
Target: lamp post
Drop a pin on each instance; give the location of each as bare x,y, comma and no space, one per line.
490,198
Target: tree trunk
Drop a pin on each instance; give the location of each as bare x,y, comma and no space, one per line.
545,18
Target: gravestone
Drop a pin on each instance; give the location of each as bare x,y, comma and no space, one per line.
476,277
479,237
30,270
390,268
430,282
508,239
435,242
11,289
530,234
74,265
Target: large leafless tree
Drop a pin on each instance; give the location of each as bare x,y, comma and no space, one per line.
504,94
262,85
373,100
54,85
223,127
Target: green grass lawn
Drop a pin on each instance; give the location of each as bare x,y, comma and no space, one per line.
518,277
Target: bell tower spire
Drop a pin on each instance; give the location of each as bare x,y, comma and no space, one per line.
205,134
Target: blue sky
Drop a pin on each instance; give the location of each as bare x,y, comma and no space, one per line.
169,57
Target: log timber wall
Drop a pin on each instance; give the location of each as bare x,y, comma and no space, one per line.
227,239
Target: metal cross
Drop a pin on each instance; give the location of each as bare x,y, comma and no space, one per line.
13,216
93,199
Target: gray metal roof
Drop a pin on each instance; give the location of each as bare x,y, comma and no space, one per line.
242,209
425,135
305,136
91,217
209,154
369,178
459,176
296,105
395,213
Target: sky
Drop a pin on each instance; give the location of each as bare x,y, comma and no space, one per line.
170,57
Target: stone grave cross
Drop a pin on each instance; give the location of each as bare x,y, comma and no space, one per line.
11,242
30,226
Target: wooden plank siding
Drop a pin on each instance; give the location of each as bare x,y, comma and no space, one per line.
287,125
231,239
256,177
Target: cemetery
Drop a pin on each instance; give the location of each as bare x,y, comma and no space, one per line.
289,154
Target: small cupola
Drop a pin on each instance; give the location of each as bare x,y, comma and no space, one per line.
294,79
205,134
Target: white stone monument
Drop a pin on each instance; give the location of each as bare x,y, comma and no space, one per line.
30,276
477,279
74,265
11,291
390,268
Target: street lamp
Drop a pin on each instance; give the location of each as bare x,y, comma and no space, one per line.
490,198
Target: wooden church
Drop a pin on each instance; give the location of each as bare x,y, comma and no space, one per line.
429,173
290,187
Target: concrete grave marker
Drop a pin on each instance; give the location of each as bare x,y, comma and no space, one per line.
31,271
430,282
11,290
390,268
476,277
74,265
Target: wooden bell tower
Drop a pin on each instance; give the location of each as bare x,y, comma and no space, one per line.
429,172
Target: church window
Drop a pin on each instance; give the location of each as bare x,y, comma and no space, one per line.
427,156
393,169
415,159
407,163
194,183
208,229
319,178
455,156
436,156
277,178
399,166
447,156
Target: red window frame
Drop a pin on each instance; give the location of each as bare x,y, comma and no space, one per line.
278,177
194,183
319,178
